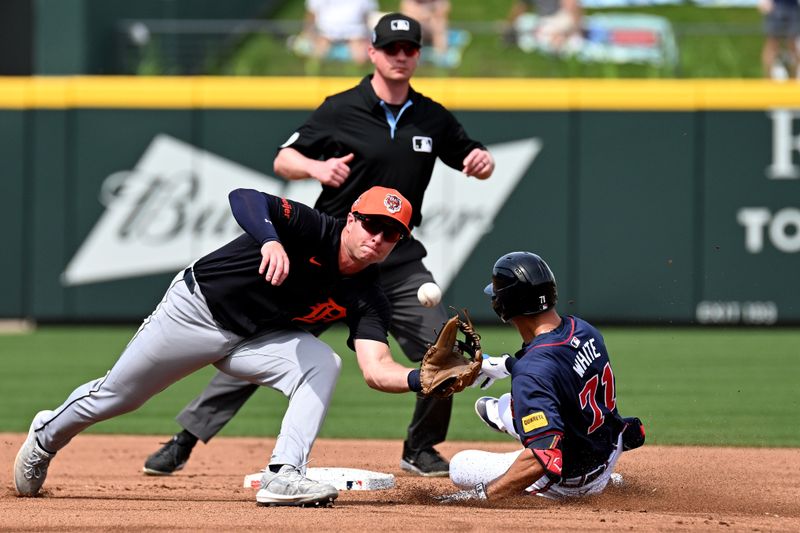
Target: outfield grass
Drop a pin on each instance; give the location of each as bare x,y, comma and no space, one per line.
690,386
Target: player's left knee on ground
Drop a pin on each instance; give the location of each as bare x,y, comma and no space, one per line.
469,467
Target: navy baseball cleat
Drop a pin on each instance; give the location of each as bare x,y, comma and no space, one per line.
486,409
30,466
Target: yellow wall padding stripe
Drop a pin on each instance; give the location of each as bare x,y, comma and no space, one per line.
490,94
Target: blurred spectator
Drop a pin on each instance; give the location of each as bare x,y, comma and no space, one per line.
329,21
559,20
433,15
781,24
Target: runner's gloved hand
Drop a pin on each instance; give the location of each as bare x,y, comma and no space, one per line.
477,493
492,368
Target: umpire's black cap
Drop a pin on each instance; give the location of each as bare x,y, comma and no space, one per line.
396,27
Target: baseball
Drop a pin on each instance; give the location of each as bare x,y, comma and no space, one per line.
429,294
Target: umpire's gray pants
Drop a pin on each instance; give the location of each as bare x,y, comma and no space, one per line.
180,337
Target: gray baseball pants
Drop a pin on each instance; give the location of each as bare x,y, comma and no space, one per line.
412,326
180,337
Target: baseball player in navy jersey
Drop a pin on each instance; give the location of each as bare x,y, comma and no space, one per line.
381,132
562,406
242,308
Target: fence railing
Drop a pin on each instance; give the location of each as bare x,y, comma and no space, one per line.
261,47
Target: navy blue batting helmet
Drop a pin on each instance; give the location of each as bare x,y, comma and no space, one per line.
522,284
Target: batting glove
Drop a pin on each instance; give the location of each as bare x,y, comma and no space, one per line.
492,368
477,493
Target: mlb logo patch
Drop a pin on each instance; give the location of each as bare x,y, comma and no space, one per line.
575,342
422,144
400,25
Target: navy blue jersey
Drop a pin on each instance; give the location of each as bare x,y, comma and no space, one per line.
314,293
562,388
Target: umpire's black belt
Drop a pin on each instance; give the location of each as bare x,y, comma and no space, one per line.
188,278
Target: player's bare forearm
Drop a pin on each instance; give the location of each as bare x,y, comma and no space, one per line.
293,165
521,474
380,371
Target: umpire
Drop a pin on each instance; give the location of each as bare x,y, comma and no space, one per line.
381,132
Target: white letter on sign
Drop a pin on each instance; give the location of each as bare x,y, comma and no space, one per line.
782,145
753,219
784,232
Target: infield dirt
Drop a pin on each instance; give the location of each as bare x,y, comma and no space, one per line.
96,483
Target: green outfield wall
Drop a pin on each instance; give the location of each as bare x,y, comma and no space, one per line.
655,202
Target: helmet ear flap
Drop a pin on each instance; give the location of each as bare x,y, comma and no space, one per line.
499,308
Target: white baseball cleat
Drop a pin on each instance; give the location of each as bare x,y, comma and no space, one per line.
290,487
486,409
30,466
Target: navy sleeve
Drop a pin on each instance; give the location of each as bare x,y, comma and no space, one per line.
250,208
536,413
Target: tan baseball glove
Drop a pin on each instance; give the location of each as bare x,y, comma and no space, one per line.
451,364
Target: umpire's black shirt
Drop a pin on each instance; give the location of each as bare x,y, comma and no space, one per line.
315,292
394,146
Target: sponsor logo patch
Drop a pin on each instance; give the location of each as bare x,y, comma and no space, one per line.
534,421
422,144
286,209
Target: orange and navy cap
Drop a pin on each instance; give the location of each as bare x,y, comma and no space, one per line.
384,202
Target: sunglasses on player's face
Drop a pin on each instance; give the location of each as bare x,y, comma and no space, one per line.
374,225
392,49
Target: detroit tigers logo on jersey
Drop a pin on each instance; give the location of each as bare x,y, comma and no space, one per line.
422,144
324,312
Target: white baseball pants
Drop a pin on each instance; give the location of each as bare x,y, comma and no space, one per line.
470,467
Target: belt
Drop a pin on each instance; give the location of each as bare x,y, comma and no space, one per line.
188,278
